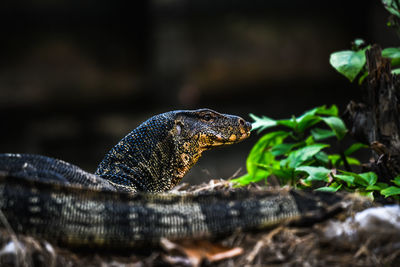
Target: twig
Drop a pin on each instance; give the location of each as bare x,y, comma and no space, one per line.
363,249
212,185
261,243
235,174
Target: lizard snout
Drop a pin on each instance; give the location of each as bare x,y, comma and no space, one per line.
245,124
245,128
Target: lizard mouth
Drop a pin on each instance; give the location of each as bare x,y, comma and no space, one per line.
222,141
234,138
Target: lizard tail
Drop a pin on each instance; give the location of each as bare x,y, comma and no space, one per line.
79,216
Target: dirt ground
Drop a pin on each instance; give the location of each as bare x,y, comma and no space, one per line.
338,241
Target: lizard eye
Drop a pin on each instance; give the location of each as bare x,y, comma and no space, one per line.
207,117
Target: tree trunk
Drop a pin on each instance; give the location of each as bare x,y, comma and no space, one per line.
376,121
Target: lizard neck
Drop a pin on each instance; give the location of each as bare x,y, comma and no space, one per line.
153,157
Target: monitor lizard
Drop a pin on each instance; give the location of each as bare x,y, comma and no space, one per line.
125,203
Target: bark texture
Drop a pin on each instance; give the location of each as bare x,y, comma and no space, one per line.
376,121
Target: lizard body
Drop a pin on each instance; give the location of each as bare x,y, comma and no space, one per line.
121,204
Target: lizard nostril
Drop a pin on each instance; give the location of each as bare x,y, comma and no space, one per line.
248,125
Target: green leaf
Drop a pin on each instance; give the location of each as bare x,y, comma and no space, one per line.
358,43
362,77
349,63
243,180
391,52
382,185
395,62
335,158
309,141
346,178
396,71
353,148
262,123
322,157
321,110
307,122
285,174
337,125
320,134
297,157
392,7
281,149
396,180
331,111
311,117
315,173
310,112
258,153
352,161
369,177
291,123
329,188
373,187
390,191
247,178
358,179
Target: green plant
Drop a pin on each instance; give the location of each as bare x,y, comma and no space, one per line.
296,155
351,63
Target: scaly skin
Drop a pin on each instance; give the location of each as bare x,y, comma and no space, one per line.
156,155
79,216
55,200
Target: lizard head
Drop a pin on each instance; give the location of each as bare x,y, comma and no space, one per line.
206,128
195,131
157,154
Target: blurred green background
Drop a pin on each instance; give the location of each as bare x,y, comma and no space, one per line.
76,76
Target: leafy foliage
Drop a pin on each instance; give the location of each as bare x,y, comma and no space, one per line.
351,63
294,154
393,6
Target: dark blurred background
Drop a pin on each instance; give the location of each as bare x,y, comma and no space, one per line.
76,76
